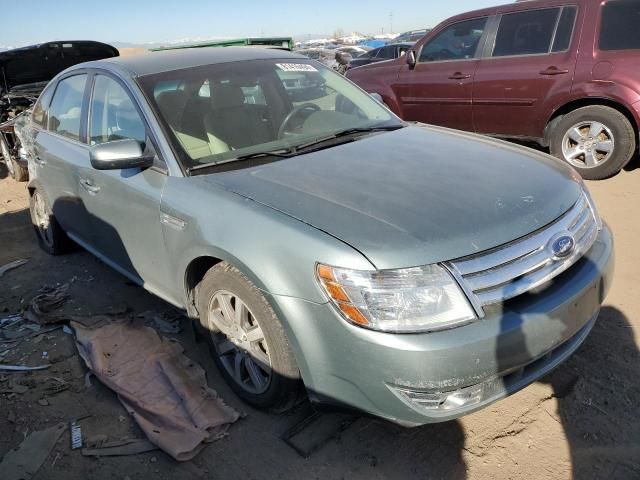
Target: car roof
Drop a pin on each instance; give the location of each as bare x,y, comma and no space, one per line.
169,60
517,5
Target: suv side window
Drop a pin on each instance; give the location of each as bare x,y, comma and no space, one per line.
564,31
39,115
619,25
113,114
66,107
526,33
456,42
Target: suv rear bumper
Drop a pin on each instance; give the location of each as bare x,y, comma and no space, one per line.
517,343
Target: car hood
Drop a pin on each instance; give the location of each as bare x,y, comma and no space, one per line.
414,196
42,62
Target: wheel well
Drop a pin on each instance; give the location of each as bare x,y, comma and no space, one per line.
196,271
585,102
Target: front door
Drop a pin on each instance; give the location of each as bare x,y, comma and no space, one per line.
124,205
438,89
530,67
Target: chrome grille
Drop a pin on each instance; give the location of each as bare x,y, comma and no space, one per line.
524,264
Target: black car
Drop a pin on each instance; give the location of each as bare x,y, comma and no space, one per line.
388,52
24,72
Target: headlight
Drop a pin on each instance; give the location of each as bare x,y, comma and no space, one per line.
416,299
587,195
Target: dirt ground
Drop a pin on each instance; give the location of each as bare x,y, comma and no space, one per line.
582,422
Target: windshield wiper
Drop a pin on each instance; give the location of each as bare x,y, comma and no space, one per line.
346,133
302,148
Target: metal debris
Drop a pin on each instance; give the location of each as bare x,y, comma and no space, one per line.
22,368
11,265
131,446
76,436
25,461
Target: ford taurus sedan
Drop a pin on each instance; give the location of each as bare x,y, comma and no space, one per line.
412,272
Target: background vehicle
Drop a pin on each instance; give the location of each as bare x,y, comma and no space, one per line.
563,74
321,240
24,72
411,36
388,52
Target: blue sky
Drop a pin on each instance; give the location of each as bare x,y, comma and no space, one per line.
32,21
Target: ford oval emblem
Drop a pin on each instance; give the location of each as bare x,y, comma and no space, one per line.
562,246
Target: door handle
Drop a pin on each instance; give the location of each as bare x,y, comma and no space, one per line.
89,186
459,76
553,71
39,160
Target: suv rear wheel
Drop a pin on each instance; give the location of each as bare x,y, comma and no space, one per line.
597,141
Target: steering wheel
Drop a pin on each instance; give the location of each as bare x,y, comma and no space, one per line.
312,107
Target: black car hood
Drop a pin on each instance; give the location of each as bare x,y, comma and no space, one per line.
414,196
42,62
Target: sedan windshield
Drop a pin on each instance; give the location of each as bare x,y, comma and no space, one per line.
232,111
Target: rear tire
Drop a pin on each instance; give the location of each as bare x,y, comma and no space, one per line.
247,340
51,238
597,141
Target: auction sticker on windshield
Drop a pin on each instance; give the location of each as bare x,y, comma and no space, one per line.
296,67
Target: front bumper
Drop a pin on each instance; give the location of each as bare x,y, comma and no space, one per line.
516,343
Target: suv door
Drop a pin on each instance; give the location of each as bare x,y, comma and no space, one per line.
528,65
60,155
124,205
438,89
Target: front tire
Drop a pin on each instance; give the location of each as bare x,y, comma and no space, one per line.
597,141
247,340
51,238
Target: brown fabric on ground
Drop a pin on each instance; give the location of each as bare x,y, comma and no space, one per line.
165,391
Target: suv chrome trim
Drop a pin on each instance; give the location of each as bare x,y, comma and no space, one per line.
520,266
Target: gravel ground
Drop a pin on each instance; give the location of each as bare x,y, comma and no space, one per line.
583,421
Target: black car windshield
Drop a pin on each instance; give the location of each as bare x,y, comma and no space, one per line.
216,113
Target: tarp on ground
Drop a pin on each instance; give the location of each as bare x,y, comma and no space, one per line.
164,391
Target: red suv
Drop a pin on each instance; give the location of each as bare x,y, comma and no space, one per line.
563,73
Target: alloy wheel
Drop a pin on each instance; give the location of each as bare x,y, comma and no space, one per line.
588,144
239,342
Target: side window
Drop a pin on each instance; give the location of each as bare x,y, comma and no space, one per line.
66,107
386,53
456,42
113,114
564,30
40,110
526,33
619,25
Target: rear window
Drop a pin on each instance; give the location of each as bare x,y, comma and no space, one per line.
526,33
620,25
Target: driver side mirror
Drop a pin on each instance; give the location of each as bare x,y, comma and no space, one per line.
411,59
118,155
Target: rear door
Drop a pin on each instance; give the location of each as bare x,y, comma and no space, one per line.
124,205
528,65
438,89
60,154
